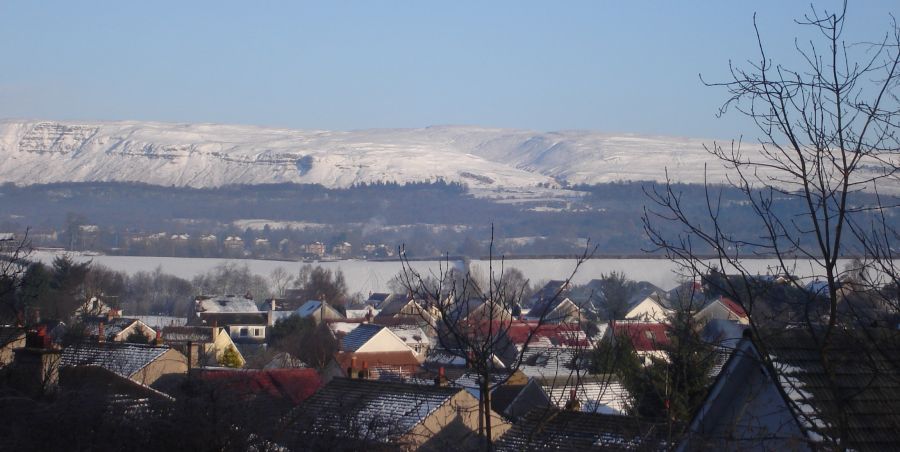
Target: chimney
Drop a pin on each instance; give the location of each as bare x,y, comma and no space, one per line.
37,338
364,373
573,404
101,332
441,380
351,371
272,304
159,340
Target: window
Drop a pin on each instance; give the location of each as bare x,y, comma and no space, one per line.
244,332
256,332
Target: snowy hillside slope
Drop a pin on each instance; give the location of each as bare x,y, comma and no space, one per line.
207,155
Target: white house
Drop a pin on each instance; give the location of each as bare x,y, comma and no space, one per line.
648,308
723,309
369,338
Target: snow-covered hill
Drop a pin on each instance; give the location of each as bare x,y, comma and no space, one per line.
206,155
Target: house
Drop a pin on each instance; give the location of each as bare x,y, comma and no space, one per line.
226,303
647,307
515,400
158,322
284,360
790,399
367,338
554,429
596,394
405,308
723,308
559,310
234,242
315,248
375,347
243,327
649,339
413,336
35,367
291,386
100,381
318,311
144,364
117,329
343,249
204,345
551,292
11,338
379,299
479,310
365,414
550,364
382,365
96,307
547,334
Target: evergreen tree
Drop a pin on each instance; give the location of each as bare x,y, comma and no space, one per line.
230,358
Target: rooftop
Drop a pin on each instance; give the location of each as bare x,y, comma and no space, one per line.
368,409
228,303
550,429
359,336
123,358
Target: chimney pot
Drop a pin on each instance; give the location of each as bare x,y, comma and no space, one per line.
101,332
159,339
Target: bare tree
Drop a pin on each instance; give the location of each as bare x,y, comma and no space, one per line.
281,280
828,148
474,317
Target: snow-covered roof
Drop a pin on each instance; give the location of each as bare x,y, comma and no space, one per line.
160,321
573,430
309,308
229,303
605,396
342,328
370,409
123,358
359,336
410,334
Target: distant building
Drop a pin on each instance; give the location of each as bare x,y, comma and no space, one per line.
233,242
343,249
316,248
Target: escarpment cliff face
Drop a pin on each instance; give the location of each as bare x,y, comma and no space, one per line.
209,155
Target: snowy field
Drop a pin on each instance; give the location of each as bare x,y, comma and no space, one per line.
364,277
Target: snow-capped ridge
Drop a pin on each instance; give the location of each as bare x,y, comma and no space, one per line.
212,155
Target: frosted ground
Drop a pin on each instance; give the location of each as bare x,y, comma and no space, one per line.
364,276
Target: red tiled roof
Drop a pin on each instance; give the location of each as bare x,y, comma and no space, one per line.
295,385
405,359
733,307
569,334
644,336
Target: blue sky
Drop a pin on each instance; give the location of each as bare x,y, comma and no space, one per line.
608,66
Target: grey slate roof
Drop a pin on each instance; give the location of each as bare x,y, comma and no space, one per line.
123,358
368,409
552,362
197,334
226,304
111,327
549,429
865,386
359,336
